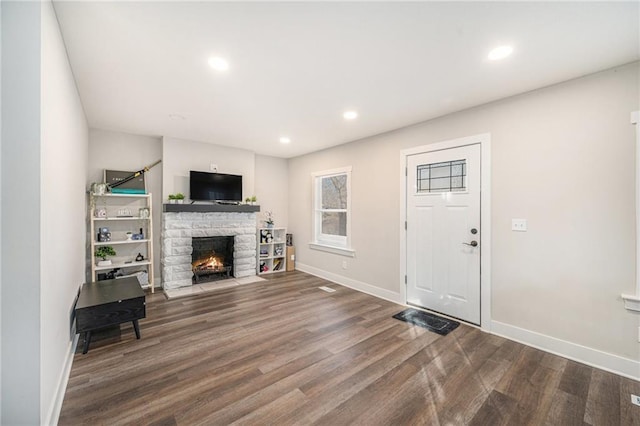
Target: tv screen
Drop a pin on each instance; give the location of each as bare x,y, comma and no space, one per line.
215,187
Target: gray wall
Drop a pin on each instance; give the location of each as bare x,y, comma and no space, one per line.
180,156
63,167
272,188
44,145
563,158
0,210
122,151
21,219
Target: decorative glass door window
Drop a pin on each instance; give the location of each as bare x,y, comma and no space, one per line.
448,176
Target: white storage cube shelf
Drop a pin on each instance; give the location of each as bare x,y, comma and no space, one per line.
272,250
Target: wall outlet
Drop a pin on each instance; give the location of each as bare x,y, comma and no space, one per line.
635,399
519,225
344,264
213,167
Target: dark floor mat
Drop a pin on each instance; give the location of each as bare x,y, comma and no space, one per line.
426,320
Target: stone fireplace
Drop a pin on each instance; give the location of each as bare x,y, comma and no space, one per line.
181,224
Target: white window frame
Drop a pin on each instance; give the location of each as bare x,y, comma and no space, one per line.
325,242
632,301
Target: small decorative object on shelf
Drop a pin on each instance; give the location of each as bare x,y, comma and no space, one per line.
139,257
266,236
253,199
101,212
103,252
99,188
277,264
268,219
124,212
138,236
176,198
143,213
125,182
129,235
104,236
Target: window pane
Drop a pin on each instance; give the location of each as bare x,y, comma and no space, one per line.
334,223
334,192
440,170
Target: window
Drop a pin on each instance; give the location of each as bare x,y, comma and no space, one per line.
331,212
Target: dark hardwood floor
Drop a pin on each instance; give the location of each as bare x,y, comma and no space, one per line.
284,352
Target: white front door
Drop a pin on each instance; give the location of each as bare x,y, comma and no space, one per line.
443,231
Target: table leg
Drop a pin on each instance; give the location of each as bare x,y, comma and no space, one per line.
136,327
87,341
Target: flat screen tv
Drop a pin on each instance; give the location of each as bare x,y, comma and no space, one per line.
215,187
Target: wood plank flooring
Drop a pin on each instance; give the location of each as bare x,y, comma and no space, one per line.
284,352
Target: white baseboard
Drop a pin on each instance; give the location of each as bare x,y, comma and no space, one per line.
589,356
353,284
56,405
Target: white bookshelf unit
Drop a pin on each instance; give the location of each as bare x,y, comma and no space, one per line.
120,214
272,250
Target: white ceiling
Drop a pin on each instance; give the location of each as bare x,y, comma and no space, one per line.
295,67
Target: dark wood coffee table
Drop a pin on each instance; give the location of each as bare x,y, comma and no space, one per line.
106,303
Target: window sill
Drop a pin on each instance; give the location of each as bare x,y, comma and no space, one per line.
632,303
332,249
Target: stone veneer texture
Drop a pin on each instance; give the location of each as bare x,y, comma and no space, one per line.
179,228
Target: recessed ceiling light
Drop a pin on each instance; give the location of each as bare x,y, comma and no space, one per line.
218,63
177,117
350,115
500,52
285,139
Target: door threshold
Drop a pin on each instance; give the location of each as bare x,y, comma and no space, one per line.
431,311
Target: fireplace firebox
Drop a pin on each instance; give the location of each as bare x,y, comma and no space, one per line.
212,258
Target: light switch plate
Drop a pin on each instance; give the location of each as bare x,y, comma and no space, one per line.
519,225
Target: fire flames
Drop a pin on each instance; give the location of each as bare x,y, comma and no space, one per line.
211,263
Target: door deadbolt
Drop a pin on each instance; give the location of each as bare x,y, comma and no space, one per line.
474,231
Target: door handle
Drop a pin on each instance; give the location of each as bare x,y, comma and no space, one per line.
472,244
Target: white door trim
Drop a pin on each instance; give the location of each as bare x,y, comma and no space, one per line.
485,216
